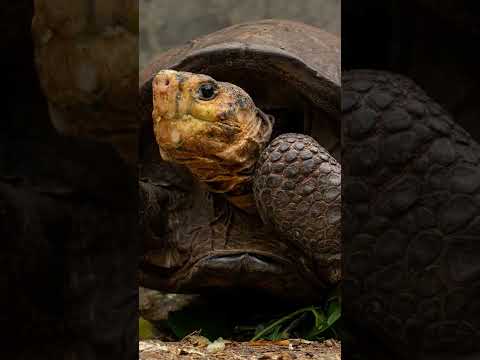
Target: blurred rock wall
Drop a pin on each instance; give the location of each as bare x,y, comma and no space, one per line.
167,23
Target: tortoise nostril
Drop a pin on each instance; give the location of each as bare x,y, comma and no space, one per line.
162,83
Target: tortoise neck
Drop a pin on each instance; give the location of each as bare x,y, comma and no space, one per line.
242,197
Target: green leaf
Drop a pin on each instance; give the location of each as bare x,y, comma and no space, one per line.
320,318
275,334
334,313
268,330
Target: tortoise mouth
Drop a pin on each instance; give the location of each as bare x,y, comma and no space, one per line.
247,270
240,266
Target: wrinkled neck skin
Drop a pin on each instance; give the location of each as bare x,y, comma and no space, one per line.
223,169
241,195
197,240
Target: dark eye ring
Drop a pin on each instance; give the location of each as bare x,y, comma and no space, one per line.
207,91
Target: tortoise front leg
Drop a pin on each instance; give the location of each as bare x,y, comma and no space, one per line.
297,190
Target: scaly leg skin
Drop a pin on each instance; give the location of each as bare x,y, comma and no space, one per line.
411,219
297,191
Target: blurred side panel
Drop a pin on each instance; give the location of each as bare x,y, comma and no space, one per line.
68,193
411,179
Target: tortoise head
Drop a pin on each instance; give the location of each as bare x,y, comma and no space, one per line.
213,128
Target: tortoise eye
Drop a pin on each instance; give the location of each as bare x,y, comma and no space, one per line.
207,91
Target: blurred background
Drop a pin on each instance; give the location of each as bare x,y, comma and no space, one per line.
167,23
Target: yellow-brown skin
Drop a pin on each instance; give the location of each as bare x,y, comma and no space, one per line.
219,137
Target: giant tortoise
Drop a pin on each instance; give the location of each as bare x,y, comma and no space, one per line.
203,238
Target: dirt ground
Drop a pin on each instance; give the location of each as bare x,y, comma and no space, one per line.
193,349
